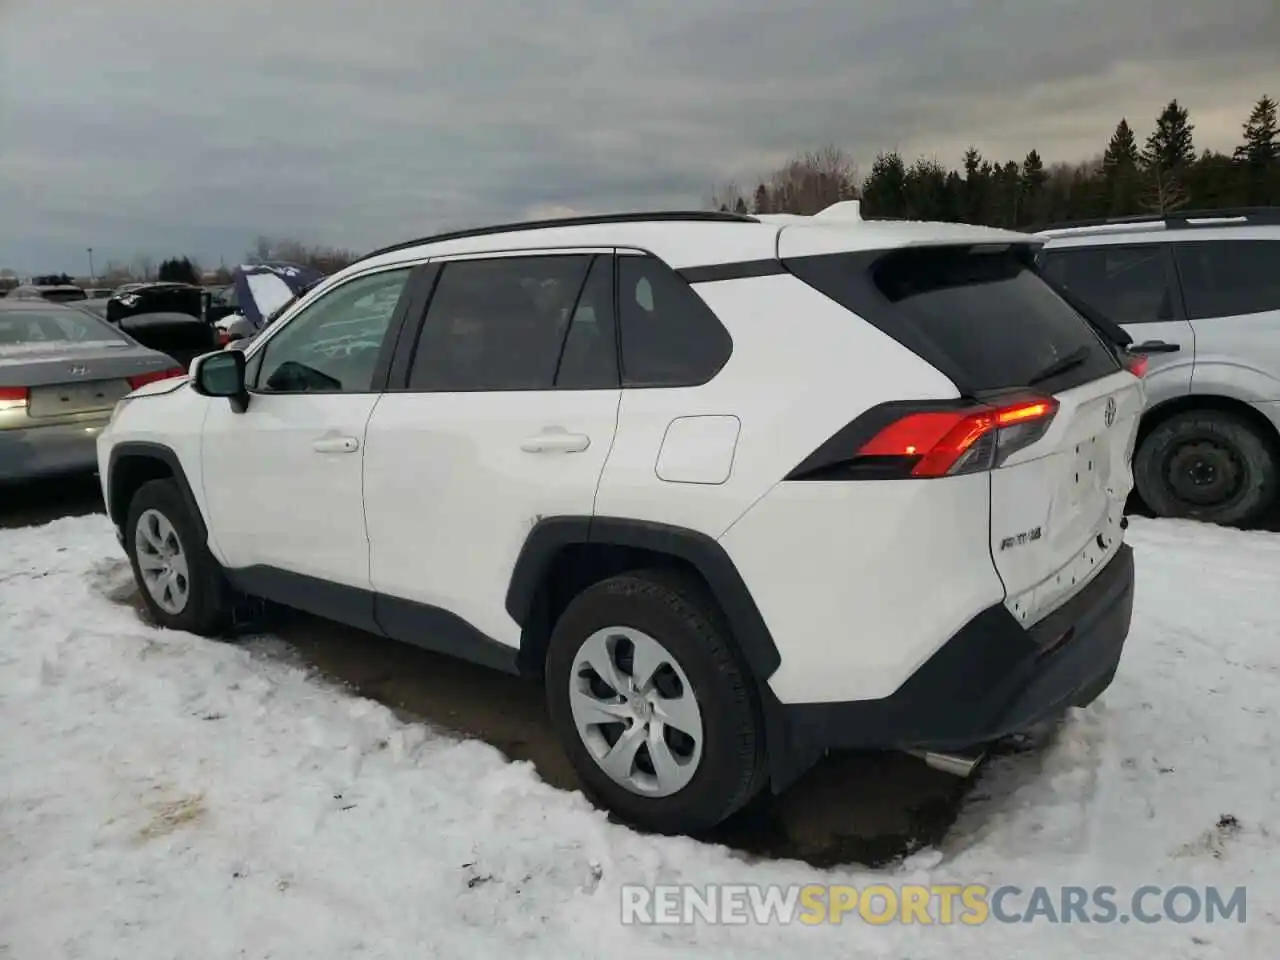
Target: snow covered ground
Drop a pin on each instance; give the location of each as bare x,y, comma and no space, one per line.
163,796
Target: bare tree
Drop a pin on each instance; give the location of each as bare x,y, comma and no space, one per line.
319,257
1164,193
144,267
114,273
261,249
725,196
808,182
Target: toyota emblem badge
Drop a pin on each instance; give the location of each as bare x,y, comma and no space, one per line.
1109,416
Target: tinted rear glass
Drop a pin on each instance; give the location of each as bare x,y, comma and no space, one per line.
64,296
22,328
981,316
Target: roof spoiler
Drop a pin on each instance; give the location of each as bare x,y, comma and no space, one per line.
841,212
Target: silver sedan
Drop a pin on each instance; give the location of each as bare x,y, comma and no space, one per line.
62,372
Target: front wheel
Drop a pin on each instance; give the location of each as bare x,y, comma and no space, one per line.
1207,465
181,583
653,703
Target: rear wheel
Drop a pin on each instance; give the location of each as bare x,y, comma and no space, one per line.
1207,465
653,704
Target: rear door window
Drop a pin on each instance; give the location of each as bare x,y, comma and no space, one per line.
1125,284
1229,278
20,328
502,323
589,359
982,316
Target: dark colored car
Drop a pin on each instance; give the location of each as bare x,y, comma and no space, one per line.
156,298
179,335
54,293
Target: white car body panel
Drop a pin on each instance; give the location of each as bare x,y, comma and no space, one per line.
859,583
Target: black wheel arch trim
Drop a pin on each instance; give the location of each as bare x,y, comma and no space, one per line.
552,534
1208,403
150,451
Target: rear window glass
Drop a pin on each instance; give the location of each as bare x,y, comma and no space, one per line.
64,296
984,318
20,328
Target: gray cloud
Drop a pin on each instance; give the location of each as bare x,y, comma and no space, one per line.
147,126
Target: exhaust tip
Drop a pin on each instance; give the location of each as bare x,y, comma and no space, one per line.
956,764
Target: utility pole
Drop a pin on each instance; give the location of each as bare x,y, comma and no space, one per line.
92,278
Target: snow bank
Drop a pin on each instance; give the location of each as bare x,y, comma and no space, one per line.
167,796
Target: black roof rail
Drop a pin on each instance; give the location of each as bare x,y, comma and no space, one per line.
1179,219
713,216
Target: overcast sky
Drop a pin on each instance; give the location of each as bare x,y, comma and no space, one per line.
164,127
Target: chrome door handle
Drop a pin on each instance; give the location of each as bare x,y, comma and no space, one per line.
335,445
556,441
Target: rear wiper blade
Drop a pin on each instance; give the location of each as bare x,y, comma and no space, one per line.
1069,362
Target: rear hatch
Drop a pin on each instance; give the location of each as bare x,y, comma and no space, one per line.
980,314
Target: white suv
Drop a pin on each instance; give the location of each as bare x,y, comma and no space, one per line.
738,490
1200,292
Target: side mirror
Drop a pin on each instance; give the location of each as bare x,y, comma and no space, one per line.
221,374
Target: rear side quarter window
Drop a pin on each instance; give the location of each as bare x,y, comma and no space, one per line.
1229,278
669,336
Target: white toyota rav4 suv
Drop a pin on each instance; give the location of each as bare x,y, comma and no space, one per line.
737,490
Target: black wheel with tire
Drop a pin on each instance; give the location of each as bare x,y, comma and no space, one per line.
1207,465
654,704
180,581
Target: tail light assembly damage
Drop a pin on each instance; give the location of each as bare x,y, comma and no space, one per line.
902,441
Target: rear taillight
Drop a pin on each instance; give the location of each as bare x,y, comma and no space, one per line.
13,398
1136,364
946,443
224,337
142,379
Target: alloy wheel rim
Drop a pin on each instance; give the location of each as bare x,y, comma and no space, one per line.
162,562
636,712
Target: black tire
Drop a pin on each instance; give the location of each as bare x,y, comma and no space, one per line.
209,604
1238,459
677,611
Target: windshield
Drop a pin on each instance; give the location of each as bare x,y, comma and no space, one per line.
20,328
274,314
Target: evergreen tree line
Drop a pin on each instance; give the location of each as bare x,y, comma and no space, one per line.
1161,175
178,270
